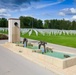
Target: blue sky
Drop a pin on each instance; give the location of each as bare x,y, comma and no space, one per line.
40,9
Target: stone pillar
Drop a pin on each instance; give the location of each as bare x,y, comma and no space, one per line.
14,30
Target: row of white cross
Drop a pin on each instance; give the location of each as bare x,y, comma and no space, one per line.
44,31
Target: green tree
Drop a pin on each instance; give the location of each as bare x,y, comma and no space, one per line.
73,25
30,22
39,24
3,22
46,24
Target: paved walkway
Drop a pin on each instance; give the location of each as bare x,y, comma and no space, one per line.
13,64
3,41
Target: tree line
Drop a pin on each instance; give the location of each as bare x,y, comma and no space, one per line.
60,24
30,22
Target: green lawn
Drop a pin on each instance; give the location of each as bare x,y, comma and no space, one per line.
66,40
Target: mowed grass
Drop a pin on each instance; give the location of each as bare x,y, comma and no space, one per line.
65,40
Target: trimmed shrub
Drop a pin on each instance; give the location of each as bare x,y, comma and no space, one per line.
3,37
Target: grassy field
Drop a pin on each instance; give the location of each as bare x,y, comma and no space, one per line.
66,40
4,32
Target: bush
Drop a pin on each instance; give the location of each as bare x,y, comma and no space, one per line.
3,37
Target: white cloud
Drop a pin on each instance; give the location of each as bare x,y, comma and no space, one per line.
73,10
38,5
50,4
23,9
61,13
31,15
66,19
67,11
2,10
73,18
3,13
16,4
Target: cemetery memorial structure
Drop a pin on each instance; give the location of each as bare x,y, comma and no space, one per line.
40,52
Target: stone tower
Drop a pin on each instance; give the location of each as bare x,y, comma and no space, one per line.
13,30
